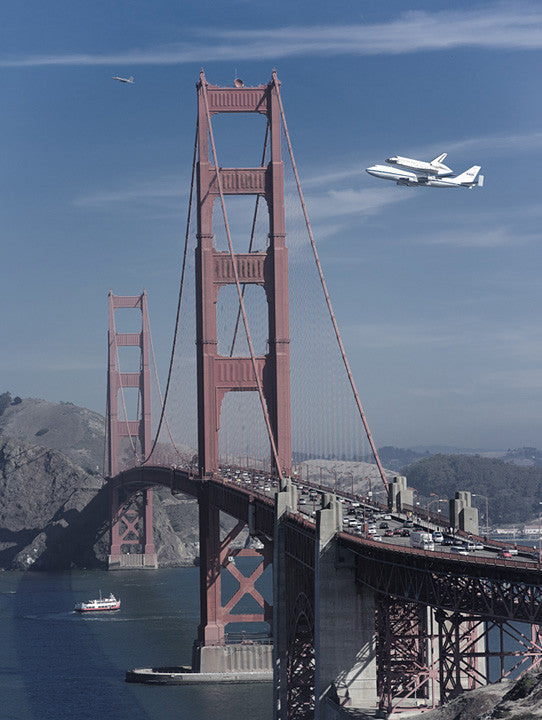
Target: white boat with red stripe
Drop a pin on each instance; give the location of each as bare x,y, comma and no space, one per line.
100,605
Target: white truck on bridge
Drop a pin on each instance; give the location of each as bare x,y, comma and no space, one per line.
422,539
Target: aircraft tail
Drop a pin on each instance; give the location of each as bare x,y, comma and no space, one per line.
469,177
439,159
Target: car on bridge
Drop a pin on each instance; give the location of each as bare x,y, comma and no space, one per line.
459,549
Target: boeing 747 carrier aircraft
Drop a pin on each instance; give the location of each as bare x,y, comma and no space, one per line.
418,173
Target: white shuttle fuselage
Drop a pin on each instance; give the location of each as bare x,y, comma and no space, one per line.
435,167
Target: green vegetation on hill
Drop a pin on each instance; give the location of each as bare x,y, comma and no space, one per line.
395,458
513,492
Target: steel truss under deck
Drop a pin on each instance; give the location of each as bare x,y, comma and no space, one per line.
444,627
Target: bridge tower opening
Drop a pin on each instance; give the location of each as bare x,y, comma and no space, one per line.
132,543
217,374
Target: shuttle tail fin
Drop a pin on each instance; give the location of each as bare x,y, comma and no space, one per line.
439,159
468,177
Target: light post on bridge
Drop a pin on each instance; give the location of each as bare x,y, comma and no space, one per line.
417,505
438,506
539,537
430,502
321,468
487,511
352,481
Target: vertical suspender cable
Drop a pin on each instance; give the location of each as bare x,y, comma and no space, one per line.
326,294
239,292
254,218
158,386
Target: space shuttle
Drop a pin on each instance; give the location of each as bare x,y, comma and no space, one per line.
435,167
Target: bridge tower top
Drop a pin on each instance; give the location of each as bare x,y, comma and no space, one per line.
269,374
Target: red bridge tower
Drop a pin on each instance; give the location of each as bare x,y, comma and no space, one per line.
217,374
132,542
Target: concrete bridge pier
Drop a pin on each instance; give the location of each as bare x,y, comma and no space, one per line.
285,500
212,653
345,646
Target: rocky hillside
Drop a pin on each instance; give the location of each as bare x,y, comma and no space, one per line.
76,432
510,700
53,508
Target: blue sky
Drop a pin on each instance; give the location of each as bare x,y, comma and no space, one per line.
437,293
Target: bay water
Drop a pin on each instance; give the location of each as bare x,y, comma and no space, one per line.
61,665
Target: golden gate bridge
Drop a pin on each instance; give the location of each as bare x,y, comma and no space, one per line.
356,622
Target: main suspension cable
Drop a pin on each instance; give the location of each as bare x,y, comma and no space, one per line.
177,319
326,294
239,292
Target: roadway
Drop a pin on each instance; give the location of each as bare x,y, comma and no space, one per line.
366,520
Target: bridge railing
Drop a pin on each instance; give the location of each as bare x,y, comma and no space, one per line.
247,638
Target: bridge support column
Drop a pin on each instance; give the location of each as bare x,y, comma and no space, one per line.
345,645
131,530
214,651
285,500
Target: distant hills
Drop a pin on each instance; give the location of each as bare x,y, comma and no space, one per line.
513,491
397,458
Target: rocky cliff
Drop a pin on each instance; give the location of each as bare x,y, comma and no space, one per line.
508,700
53,507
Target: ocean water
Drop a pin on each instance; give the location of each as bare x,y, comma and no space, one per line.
57,664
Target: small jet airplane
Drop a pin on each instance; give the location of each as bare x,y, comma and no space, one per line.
124,80
417,173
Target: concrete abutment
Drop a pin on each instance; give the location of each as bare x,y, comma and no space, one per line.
345,646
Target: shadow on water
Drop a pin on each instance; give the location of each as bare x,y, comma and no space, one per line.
63,670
